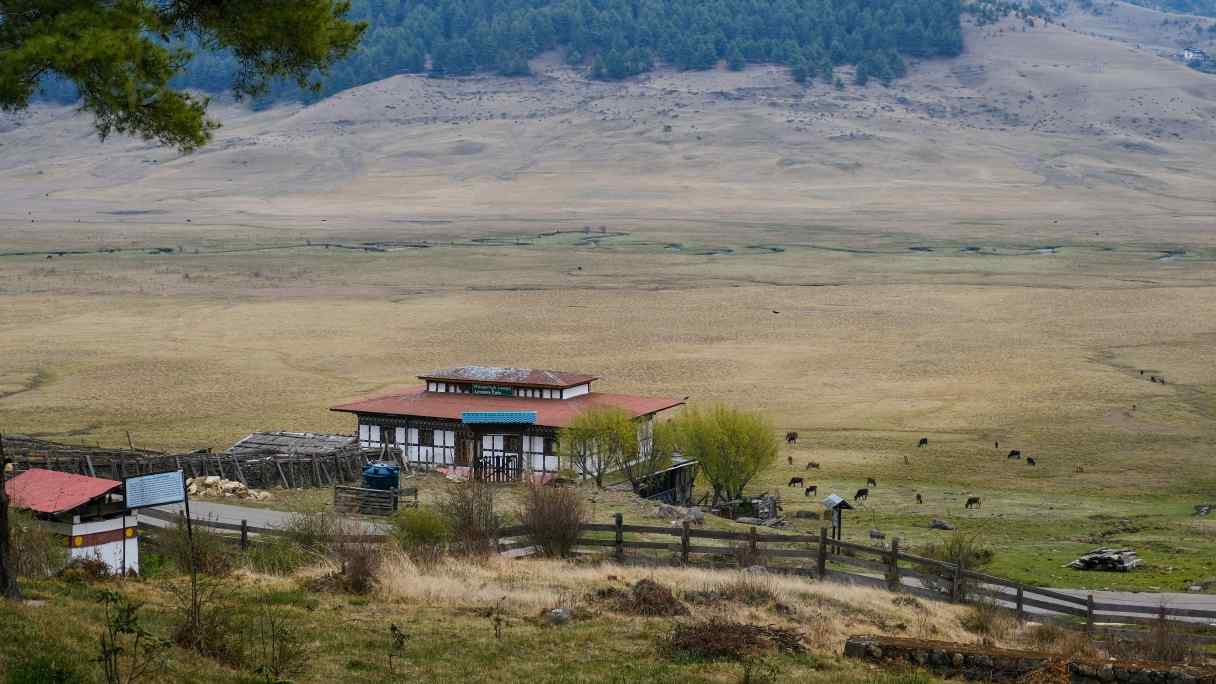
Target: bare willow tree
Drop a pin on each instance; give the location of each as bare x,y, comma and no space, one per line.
657,443
732,446
600,441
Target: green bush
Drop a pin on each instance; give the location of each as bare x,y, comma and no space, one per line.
423,533
43,669
314,532
212,553
36,551
276,556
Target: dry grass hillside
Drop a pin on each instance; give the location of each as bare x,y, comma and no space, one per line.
989,250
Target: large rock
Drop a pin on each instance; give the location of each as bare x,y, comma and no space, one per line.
939,524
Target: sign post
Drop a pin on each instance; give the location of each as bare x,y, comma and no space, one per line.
158,489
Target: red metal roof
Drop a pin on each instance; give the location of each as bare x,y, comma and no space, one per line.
529,377
549,412
50,491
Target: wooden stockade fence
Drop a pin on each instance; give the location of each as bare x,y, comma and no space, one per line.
260,470
380,502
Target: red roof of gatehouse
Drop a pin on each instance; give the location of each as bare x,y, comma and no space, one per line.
50,491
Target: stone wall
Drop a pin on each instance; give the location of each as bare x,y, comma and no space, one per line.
1001,665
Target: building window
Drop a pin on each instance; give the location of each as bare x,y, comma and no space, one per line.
512,444
550,446
426,438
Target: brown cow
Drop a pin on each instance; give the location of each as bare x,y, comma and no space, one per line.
919,500
813,489
812,464
795,481
861,494
791,437
871,482
974,502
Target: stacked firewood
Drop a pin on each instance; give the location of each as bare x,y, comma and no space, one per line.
1110,560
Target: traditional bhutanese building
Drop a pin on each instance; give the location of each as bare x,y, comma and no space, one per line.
501,422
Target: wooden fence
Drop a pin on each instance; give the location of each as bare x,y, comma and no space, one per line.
263,470
380,502
824,558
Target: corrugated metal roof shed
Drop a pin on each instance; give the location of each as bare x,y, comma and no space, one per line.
303,443
50,491
533,377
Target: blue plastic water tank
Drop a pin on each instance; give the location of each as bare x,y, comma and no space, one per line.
381,475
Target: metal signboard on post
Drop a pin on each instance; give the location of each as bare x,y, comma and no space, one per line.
143,491
158,489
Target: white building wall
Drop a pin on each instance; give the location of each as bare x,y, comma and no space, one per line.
576,391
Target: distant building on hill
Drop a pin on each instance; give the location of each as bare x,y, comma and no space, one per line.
500,423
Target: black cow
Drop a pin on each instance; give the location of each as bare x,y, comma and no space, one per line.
870,481
974,502
812,464
1030,460
924,442
813,489
789,459
795,481
919,500
1015,453
861,494
791,438
996,444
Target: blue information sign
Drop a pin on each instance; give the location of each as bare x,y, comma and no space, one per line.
154,490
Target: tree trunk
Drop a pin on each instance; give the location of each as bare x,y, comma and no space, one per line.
8,573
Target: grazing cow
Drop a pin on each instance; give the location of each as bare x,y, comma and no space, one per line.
974,502
870,481
924,442
813,489
1141,372
791,438
918,499
877,535
1015,453
861,494
1030,460
812,464
996,444
795,481
789,459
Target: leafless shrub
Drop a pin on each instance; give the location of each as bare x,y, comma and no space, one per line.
1052,638
987,619
646,597
746,556
553,517
278,649
1164,641
469,507
207,620
721,639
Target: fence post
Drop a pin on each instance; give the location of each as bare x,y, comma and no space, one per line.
821,563
1089,614
893,583
620,536
751,542
244,534
684,543
956,581
1021,605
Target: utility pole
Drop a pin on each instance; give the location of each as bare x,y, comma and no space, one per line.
8,573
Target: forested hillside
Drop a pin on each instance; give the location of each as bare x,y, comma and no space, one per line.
615,39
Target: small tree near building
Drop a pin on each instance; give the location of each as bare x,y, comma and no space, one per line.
732,446
599,441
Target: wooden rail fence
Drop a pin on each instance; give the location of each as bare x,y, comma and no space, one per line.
823,556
